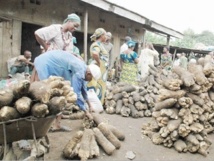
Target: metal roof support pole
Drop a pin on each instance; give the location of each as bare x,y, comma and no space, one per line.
85,35
168,39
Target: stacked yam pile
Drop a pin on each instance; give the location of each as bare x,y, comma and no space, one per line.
134,101
85,143
184,113
39,99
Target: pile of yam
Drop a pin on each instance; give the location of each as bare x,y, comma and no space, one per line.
85,144
39,99
183,115
134,101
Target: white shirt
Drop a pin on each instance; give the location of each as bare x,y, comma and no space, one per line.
147,57
123,48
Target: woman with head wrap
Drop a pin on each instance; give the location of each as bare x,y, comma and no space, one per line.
100,57
129,60
58,36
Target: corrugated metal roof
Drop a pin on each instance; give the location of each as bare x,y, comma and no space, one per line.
131,15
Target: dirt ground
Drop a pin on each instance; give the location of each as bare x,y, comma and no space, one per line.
143,148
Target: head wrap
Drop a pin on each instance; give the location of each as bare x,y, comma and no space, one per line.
98,32
72,17
109,34
127,38
74,40
95,71
131,44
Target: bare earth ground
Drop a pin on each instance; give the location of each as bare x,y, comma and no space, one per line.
141,145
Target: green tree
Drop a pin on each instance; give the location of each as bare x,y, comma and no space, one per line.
206,37
154,38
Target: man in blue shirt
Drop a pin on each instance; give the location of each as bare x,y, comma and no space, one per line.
66,65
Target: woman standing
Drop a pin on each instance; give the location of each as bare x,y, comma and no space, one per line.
129,60
57,37
100,57
166,59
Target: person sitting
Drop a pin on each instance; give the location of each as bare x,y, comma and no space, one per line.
21,64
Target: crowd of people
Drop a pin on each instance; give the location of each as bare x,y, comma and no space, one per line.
61,57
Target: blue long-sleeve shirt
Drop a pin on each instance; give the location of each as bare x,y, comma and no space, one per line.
66,65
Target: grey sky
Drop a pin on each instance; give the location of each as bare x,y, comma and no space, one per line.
176,14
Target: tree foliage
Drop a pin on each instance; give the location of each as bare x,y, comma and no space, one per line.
189,40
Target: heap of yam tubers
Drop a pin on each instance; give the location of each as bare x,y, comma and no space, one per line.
184,116
134,101
39,99
85,143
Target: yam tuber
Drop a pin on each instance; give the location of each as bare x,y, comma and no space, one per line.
40,91
67,151
180,146
107,146
167,103
185,76
56,105
39,110
6,97
84,150
103,127
116,132
164,94
8,113
23,105
21,88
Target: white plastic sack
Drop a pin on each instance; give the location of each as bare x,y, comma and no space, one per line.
94,100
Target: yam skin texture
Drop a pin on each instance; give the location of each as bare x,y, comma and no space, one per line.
208,66
84,151
39,110
185,76
119,106
103,127
71,144
173,124
6,97
116,132
167,103
23,105
180,146
77,115
94,148
134,112
124,88
8,113
172,84
56,92
56,105
164,94
66,89
185,102
40,91
107,146
125,111
199,76
196,99
97,118
21,88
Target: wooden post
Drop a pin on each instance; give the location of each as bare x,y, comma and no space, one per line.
86,35
168,39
